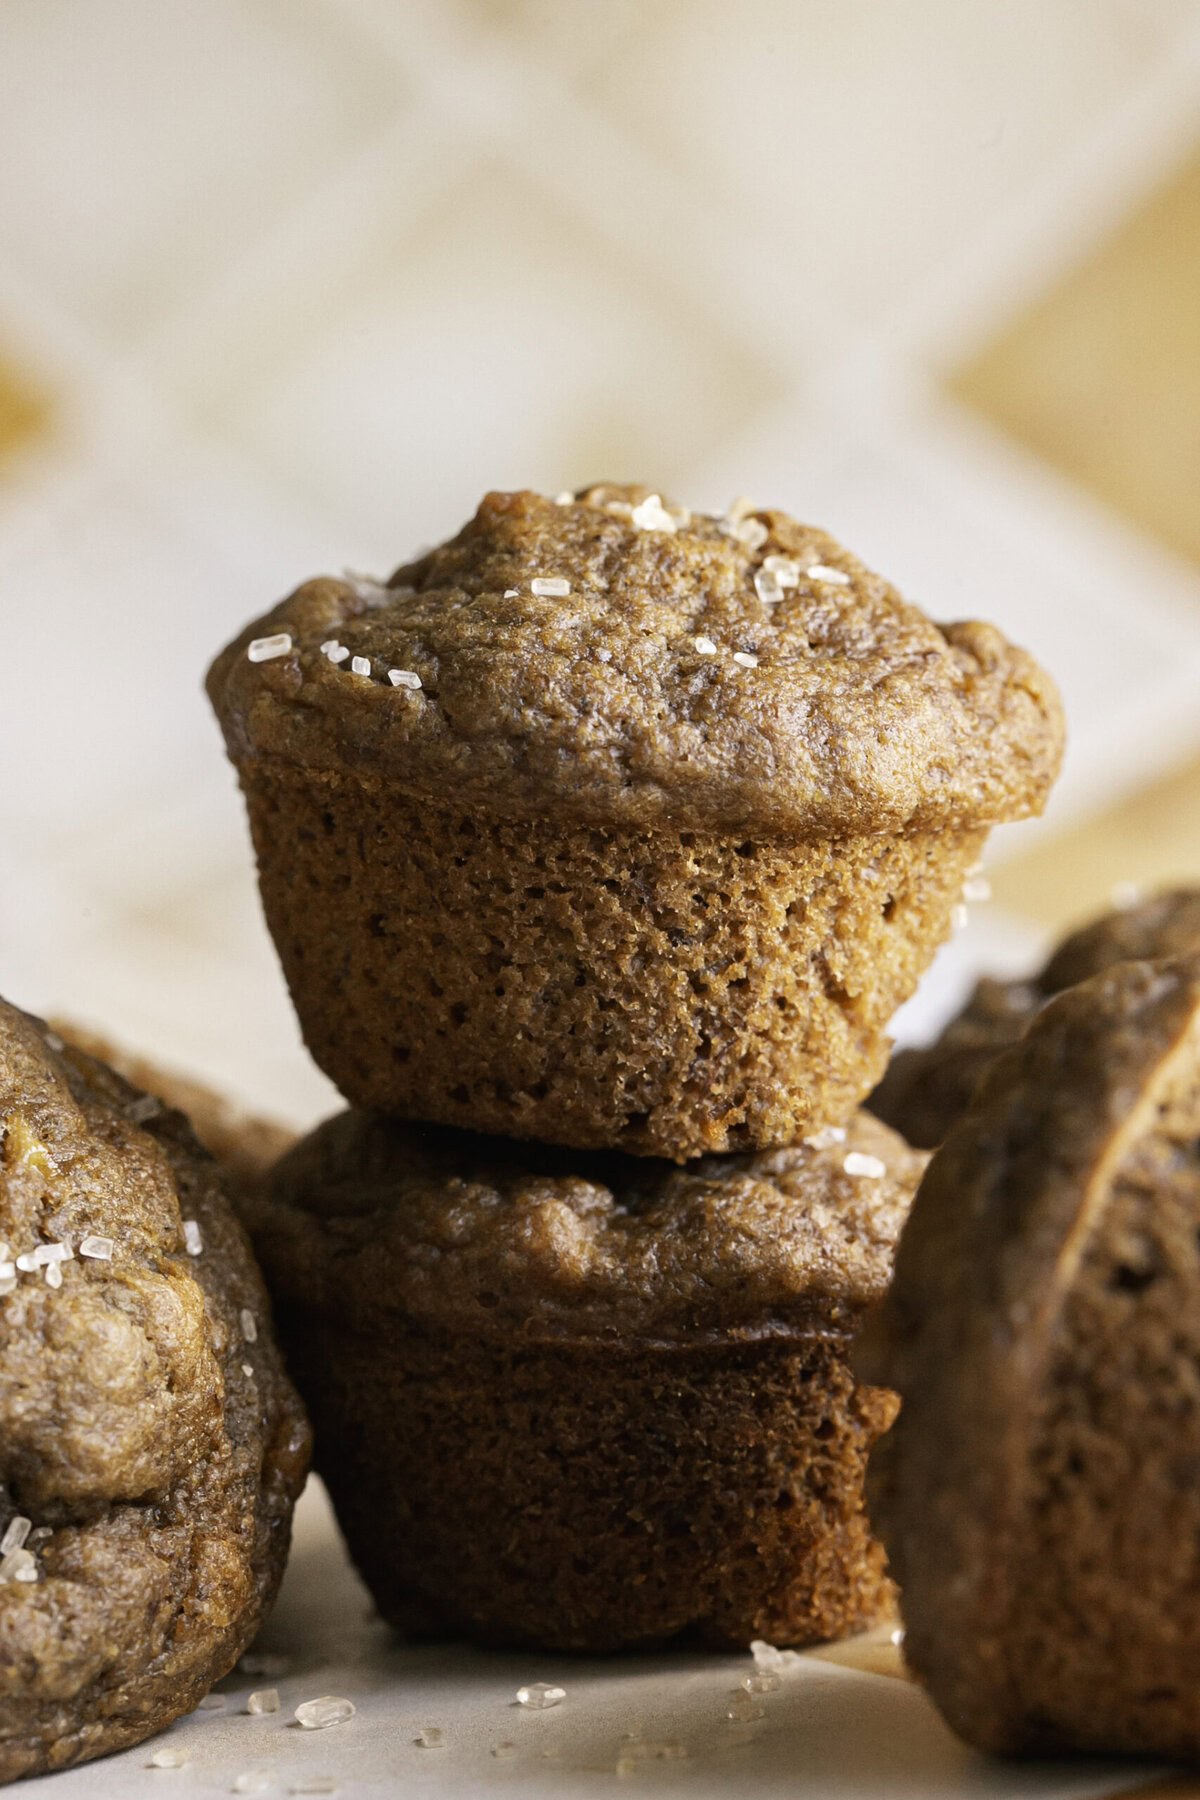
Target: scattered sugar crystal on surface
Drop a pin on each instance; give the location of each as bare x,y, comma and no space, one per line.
54,1253
247,1370
264,1662
337,653
1124,895
539,1695
977,888
54,1275
53,1041
765,1655
330,1709
566,498
265,648
620,509
251,1781
767,587
785,571
314,1784
16,1533
511,593
361,665
746,658
212,1703
168,1758
898,1636
857,1162
100,1249
40,1533
823,572
651,515
826,1137
959,917
405,678
18,1565
604,656
192,1240
249,1326
705,646
263,1700
27,1262
503,1751
143,1108
430,1737
764,1681
550,587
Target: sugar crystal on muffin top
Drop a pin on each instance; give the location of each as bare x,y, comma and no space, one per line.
865,715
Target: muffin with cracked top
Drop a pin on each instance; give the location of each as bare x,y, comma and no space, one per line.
609,824
1038,1494
586,1400
926,1091
151,1446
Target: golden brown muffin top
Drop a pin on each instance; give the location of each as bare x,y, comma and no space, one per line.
369,1220
608,660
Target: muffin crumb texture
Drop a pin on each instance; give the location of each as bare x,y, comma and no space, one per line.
668,996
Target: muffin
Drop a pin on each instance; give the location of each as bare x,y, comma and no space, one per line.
1038,1495
246,1146
151,1447
590,1402
925,1091
612,825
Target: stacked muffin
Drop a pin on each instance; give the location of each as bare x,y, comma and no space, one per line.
617,833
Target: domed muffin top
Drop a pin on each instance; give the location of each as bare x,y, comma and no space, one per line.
607,659
368,1219
125,1286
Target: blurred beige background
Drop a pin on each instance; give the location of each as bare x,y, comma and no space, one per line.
285,284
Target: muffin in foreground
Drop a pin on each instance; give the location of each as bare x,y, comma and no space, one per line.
590,1402
607,824
926,1091
1038,1492
151,1447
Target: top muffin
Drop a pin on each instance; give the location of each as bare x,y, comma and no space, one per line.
607,659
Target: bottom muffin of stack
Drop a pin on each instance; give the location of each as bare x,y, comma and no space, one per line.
587,1400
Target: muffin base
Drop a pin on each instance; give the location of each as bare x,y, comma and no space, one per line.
669,994
591,1499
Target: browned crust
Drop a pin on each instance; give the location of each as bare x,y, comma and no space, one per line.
370,1222
595,1499
924,1091
861,715
161,1450
985,1268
